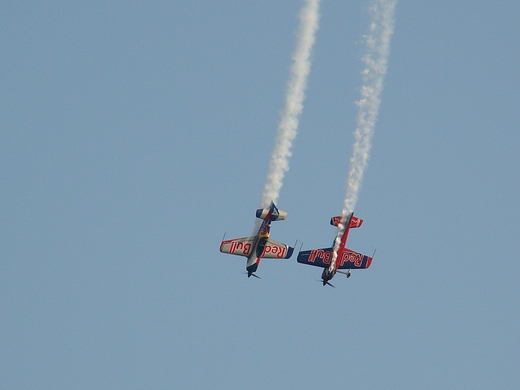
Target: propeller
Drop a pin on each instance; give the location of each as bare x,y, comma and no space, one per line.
327,282
251,274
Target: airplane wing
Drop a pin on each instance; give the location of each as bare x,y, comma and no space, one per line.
352,260
276,250
347,259
317,257
238,246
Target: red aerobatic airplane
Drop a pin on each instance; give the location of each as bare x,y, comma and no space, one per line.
346,259
260,246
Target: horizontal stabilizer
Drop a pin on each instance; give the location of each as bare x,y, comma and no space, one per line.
278,215
272,213
354,222
347,259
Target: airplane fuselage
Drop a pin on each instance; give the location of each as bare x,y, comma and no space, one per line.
327,274
253,261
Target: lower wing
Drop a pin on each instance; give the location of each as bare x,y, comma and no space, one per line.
347,259
318,257
238,246
276,250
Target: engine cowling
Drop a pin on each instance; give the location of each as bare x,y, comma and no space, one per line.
280,215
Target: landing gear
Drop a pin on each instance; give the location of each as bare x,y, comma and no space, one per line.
348,273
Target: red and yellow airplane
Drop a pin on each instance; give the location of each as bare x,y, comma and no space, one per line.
346,258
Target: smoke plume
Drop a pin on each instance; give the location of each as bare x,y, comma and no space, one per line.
375,61
287,128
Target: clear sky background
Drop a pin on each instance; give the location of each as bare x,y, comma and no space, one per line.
133,135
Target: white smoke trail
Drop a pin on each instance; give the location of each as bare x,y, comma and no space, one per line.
279,164
375,59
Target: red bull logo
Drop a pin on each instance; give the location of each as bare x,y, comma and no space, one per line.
343,257
275,250
355,222
264,232
325,256
353,257
335,220
237,247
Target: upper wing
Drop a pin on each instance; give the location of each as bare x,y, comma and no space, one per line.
350,259
276,250
238,246
317,257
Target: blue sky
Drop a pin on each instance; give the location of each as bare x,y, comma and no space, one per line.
132,136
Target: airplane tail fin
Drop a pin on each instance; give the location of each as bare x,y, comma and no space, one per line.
275,214
354,221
